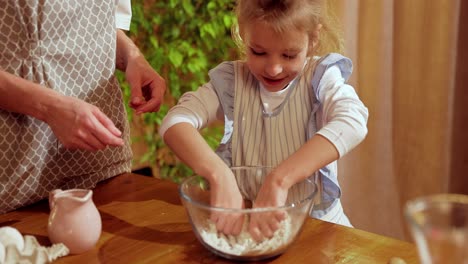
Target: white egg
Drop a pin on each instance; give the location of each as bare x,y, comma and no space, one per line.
11,236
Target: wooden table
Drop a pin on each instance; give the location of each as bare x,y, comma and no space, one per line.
144,222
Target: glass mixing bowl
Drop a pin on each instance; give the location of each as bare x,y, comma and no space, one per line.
195,195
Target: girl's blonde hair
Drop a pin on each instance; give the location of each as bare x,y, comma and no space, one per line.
284,15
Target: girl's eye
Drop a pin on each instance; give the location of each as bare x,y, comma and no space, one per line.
289,57
256,53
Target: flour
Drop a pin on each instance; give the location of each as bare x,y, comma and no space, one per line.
243,244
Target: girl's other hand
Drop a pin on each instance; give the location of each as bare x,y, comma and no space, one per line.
226,194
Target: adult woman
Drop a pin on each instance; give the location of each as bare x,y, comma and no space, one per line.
62,119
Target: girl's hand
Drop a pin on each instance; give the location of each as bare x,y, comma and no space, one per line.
80,125
263,225
147,87
226,194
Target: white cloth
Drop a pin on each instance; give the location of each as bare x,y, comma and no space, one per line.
123,14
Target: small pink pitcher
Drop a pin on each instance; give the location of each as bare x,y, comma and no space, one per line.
74,219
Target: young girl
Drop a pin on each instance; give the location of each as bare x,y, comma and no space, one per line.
282,107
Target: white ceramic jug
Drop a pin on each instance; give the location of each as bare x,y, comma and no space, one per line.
74,219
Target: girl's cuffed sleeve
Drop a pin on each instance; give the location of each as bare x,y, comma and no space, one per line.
202,107
343,116
199,108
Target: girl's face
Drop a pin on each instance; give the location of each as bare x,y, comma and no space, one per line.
275,59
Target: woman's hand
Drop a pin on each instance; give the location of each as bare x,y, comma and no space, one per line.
226,194
80,125
147,86
264,225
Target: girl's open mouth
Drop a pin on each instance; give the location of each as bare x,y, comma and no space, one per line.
273,81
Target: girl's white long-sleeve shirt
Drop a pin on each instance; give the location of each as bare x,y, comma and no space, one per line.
343,117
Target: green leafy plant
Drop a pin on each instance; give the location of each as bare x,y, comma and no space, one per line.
182,40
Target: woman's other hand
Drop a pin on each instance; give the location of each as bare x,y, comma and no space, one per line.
80,125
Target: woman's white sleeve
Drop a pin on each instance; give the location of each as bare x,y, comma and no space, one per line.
199,108
343,115
123,14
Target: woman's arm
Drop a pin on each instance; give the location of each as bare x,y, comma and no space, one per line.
126,51
75,123
25,97
147,86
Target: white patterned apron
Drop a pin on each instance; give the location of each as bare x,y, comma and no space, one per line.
267,139
68,46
